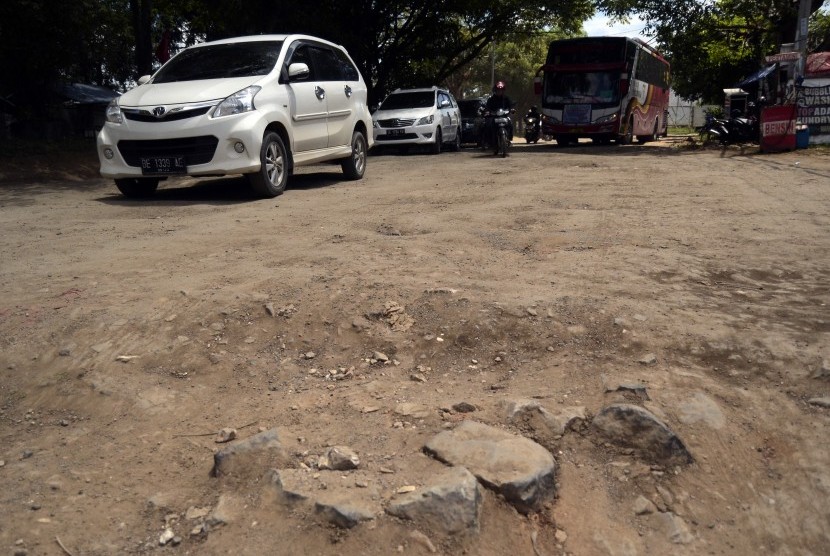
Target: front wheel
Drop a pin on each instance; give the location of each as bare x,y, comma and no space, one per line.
354,166
137,188
436,147
272,176
628,138
502,146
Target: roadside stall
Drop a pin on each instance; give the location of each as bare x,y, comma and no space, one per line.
813,98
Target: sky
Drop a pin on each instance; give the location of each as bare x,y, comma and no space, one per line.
599,26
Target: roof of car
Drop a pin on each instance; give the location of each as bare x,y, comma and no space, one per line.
419,90
256,38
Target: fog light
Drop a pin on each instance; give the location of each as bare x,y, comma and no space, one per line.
239,147
108,154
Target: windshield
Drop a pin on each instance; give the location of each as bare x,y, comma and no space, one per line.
469,108
596,87
397,101
241,59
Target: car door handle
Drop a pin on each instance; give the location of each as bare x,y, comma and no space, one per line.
348,91
320,92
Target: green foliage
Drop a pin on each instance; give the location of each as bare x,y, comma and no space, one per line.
514,59
712,44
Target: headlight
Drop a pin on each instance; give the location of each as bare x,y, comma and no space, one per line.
426,120
238,103
114,112
606,119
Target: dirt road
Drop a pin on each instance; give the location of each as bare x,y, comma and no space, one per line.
362,314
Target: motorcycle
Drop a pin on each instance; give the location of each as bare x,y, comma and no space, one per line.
736,130
533,128
499,124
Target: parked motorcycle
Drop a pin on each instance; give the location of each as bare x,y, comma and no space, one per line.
736,130
533,128
500,127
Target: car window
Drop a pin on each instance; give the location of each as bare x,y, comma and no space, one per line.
302,55
411,99
326,64
241,59
443,99
348,70
469,108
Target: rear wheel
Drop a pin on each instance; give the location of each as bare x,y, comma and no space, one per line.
137,188
456,145
355,165
272,176
646,138
436,147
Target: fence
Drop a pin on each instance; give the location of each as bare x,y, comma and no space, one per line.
688,115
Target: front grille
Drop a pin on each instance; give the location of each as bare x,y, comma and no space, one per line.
195,150
396,137
396,122
147,116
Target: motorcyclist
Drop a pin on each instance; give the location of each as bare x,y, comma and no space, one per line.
497,100
532,114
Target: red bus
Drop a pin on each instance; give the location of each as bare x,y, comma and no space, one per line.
603,88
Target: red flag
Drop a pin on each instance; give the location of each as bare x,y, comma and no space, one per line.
163,49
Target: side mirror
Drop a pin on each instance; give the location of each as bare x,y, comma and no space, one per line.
298,71
143,79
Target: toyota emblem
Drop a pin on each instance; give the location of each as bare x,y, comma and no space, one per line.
158,111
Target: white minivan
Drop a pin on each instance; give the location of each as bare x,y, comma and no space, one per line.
427,116
258,105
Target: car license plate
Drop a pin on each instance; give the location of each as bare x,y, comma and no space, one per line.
163,165
395,132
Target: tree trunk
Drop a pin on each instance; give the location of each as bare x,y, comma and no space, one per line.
142,26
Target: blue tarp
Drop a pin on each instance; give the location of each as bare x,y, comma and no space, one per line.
757,76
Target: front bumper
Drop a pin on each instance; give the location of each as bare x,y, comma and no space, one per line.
208,146
409,135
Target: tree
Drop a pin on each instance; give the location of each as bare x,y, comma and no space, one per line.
711,44
396,43
514,59
400,43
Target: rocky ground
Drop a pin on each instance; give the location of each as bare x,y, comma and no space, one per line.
589,350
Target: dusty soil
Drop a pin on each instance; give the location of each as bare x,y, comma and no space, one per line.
131,332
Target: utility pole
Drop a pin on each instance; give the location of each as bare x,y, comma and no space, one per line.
493,64
801,35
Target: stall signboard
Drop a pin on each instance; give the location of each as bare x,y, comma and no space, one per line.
814,111
778,128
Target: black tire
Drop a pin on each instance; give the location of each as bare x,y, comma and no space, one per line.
646,138
137,188
503,142
354,166
456,145
272,176
436,147
628,138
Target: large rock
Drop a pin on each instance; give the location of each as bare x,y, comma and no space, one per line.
636,427
517,468
336,501
451,503
255,454
537,417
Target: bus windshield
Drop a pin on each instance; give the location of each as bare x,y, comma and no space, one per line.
595,87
